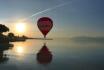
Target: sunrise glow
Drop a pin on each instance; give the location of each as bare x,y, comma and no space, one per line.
20,27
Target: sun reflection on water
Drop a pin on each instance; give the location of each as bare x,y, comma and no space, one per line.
19,49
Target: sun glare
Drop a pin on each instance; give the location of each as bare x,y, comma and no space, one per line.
19,49
20,27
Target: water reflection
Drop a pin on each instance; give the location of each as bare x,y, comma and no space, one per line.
3,47
20,49
44,56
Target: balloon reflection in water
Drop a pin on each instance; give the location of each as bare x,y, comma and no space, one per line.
44,56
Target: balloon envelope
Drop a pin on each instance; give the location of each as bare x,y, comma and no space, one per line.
45,24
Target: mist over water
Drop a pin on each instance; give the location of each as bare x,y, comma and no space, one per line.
66,54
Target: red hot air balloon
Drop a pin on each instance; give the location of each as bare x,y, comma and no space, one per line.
45,24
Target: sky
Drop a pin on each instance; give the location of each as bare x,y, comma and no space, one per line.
71,17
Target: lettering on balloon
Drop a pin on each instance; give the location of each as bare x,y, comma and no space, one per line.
44,25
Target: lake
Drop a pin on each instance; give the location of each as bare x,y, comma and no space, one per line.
65,55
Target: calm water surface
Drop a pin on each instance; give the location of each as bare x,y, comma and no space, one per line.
66,55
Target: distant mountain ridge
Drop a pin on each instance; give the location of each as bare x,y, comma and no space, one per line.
84,38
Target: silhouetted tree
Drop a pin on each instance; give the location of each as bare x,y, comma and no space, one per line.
3,28
24,36
3,38
10,35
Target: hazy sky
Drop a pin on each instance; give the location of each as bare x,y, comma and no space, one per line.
76,18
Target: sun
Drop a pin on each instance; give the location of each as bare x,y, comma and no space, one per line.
20,27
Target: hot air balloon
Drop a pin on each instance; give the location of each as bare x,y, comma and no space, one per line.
45,24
